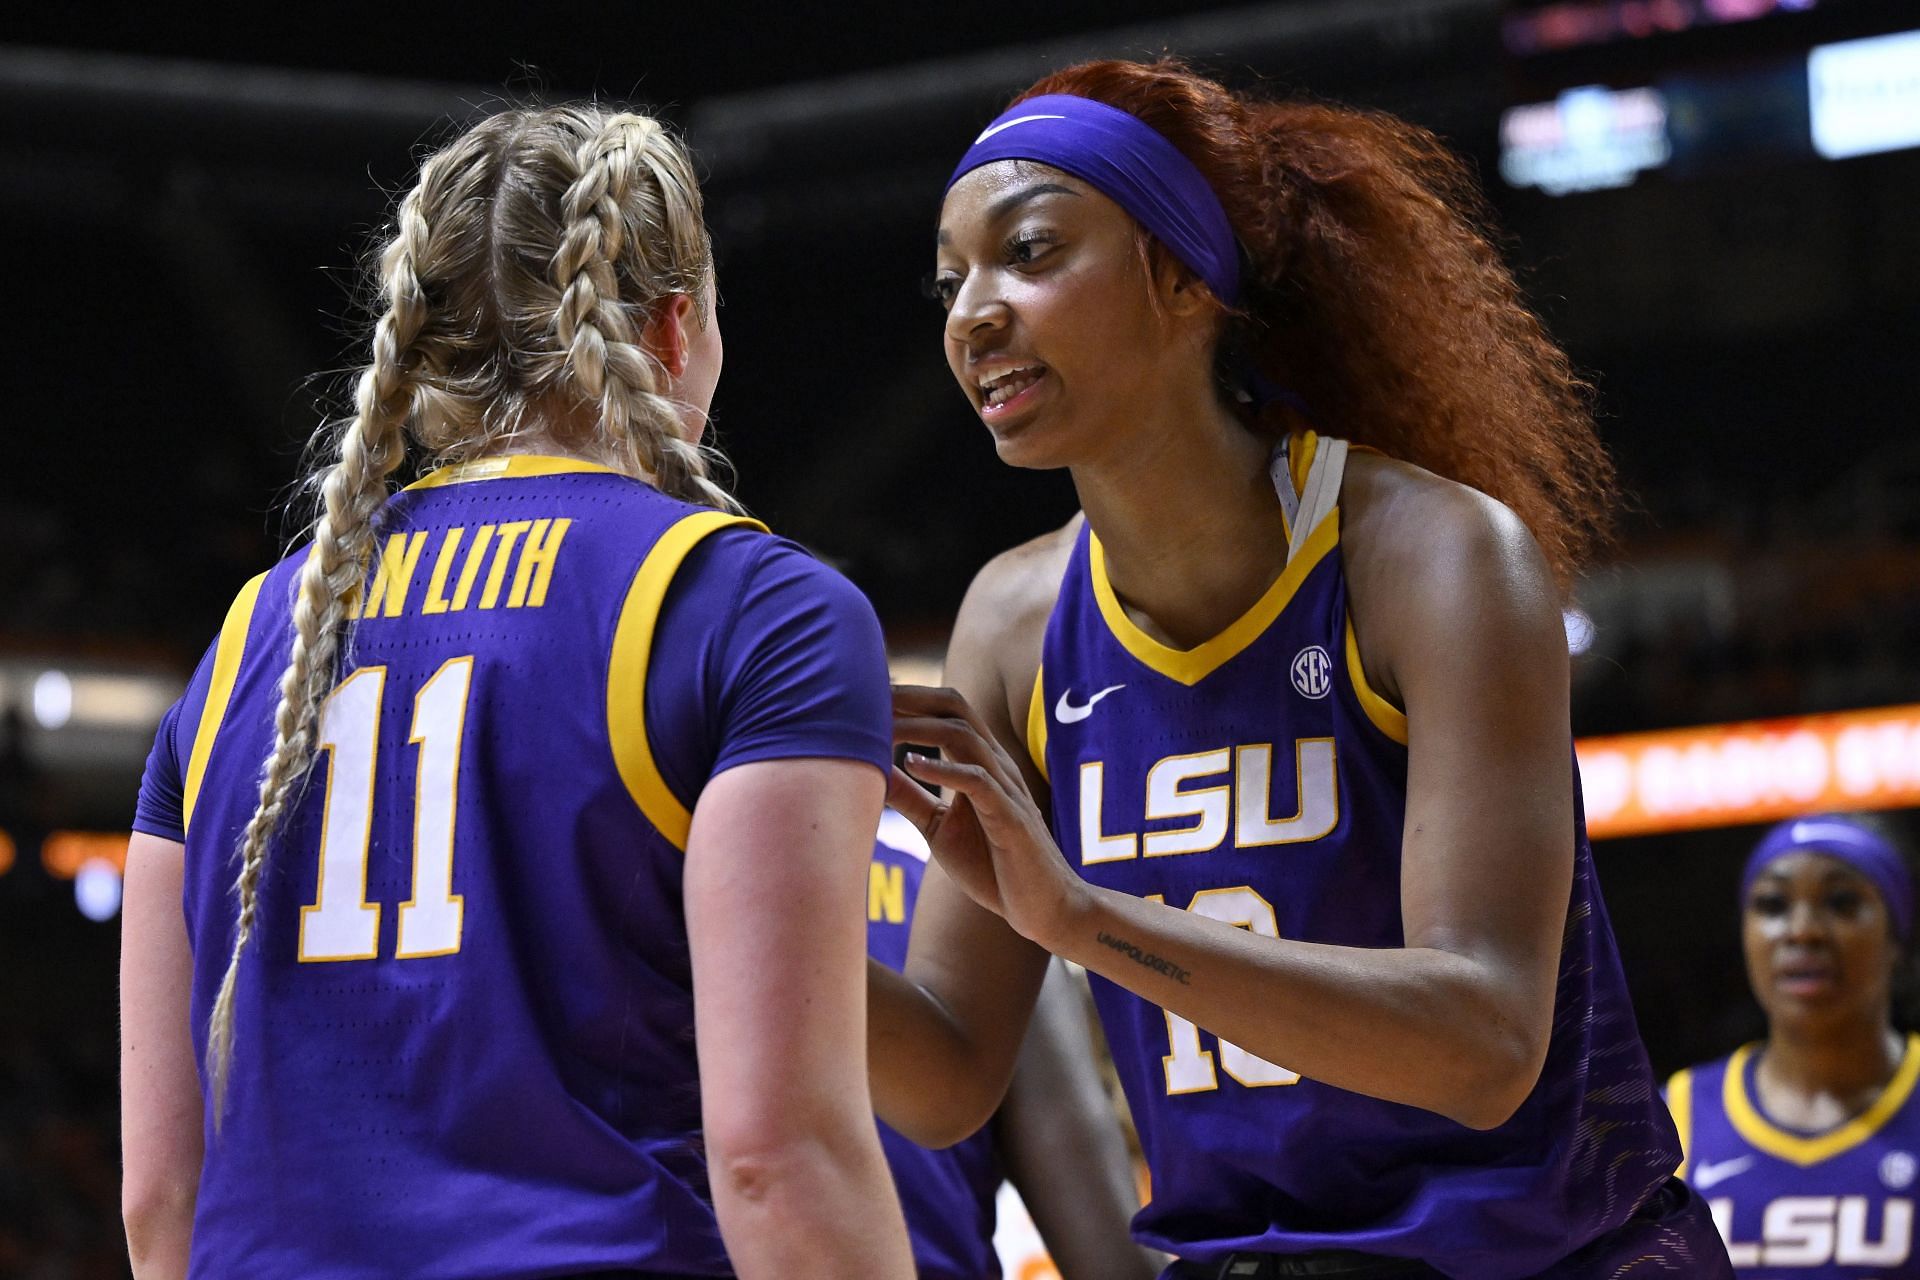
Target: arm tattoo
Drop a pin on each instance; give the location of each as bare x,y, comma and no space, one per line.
1158,964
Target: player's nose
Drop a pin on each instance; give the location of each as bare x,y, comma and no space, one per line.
1805,922
978,313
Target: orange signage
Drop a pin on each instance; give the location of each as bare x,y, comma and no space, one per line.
6,853
63,853
1730,774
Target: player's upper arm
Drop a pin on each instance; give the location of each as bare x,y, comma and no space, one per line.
159,1084
1458,616
994,653
798,737
776,877
982,973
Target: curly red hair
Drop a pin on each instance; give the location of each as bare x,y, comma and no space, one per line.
1373,289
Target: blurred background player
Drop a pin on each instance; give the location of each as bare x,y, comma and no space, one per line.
1333,685
1806,1145
551,739
1055,1137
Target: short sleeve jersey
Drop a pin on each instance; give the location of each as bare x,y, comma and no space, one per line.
465,1022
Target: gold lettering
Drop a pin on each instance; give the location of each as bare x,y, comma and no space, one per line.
509,533
531,579
437,584
886,894
395,575
471,569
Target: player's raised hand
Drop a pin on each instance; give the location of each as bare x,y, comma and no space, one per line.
987,834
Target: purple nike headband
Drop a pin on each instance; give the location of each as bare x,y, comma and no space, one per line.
1863,850
1130,163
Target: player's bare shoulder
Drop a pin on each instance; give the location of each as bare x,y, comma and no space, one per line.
996,637
1418,548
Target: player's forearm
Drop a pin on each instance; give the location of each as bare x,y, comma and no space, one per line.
820,1206
1446,1032
931,1079
159,1225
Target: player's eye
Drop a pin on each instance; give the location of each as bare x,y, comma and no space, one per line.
1028,246
1769,904
941,286
1845,902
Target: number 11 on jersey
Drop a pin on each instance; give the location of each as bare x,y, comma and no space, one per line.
341,924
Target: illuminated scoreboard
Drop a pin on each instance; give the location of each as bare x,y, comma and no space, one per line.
1606,91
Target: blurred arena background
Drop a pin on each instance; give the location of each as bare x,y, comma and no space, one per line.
1714,202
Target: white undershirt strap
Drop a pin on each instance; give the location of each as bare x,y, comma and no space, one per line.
1319,495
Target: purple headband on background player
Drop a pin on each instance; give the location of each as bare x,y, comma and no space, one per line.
1132,164
1865,851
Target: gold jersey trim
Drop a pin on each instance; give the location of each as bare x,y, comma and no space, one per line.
227,652
1811,1149
1386,717
1190,666
1037,725
1680,1107
627,671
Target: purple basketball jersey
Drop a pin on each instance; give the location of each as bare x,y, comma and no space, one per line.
1803,1206
1257,780
465,1022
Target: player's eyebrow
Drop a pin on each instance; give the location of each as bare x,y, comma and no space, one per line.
1008,203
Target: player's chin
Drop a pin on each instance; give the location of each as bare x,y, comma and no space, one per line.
1032,443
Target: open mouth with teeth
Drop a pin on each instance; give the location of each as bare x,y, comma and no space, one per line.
1003,387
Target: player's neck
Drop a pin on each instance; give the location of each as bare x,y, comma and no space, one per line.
1850,1065
1189,524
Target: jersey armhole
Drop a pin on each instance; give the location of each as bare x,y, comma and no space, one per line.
627,671
1386,717
1680,1107
227,653
1037,724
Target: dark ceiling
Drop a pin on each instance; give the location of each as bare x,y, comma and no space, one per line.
184,195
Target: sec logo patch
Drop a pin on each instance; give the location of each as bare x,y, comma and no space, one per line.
1312,672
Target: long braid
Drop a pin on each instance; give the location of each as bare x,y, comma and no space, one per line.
354,489
605,362
503,289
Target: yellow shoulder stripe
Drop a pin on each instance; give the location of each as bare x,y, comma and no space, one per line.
1680,1107
227,653
1386,717
1806,1150
627,671
1037,725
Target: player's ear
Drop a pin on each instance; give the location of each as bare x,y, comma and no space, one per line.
667,334
1177,289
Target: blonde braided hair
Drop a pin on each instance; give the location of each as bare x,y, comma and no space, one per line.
519,274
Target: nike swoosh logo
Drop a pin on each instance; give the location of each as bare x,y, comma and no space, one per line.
1066,713
1712,1175
989,132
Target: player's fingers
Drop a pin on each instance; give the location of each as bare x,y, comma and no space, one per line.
960,742
970,780
923,700
913,802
